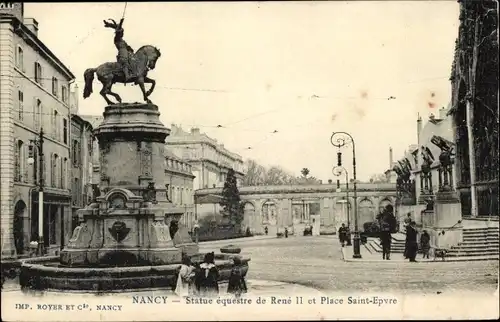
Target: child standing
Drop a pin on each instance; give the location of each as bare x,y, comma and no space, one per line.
237,284
185,279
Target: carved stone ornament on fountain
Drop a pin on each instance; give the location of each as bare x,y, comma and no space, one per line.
120,229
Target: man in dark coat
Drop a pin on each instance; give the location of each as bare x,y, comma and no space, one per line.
236,284
342,234
385,240
411,240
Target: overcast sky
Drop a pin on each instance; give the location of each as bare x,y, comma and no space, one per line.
302,69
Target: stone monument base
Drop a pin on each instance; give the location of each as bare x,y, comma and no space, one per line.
443,223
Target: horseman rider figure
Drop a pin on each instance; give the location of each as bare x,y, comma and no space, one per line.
125,52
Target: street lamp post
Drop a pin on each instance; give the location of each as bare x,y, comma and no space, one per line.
38,143
337,171
340,139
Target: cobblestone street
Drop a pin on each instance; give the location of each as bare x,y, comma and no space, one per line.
317,262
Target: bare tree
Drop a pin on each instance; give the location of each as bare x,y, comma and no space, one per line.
254,173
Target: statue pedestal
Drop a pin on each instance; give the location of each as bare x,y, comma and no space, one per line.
131,224
442,222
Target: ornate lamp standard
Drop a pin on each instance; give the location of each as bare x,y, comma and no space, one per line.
340,139
337,171
38,143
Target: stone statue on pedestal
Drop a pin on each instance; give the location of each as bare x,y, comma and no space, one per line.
446,162
426,174
404,183
130,67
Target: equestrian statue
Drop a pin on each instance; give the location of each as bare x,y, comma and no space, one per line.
130,67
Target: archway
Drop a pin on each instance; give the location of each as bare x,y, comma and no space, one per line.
249,217
18,227
269,212
365,212
384,203
344,212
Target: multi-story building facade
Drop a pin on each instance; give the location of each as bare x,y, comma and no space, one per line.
179,177
81,164
34,95
210,160
95,121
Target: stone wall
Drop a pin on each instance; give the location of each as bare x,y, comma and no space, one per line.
284,199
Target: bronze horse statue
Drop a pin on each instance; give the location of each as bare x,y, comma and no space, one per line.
143,60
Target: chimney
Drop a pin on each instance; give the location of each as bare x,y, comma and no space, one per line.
390,157
74,100
195,130
419,128
32,25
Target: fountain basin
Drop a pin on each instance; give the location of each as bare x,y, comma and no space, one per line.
53,276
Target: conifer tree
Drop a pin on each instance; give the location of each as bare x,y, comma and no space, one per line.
231,201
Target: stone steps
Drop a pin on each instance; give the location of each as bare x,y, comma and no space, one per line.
480,242
482,218
477,242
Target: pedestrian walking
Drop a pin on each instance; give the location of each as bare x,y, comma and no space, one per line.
425,243
342,235
237,284
386,240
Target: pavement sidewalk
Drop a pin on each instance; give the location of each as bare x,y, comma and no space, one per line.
236,240
366,256
255,288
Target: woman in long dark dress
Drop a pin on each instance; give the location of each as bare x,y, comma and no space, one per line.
425,243
237,284
411,236
207,277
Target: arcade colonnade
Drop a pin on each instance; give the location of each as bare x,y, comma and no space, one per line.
296,207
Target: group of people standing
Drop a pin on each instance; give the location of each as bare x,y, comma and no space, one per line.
203,280
411,242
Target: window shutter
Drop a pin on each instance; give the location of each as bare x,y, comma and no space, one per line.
17,164
24,163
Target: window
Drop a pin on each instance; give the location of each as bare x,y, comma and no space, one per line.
38,73
37,113
53,170
53,123
55,86
76,153
61,174
20,58
65,131
19,155
20,96
64,94
75,192
64,169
